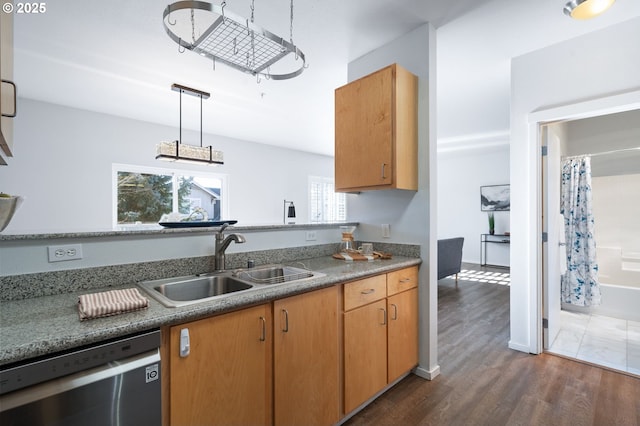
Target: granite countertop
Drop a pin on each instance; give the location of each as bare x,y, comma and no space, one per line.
44,325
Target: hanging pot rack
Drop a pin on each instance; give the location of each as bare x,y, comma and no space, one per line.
235,41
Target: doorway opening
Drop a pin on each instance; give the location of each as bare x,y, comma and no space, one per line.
607,333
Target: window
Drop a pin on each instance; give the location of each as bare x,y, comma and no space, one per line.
325,205
143,194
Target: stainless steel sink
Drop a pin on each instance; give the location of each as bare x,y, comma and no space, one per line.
181,291
274,274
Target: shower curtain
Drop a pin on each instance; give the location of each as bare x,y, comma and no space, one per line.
579,283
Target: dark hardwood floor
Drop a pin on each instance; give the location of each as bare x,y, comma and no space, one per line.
483,382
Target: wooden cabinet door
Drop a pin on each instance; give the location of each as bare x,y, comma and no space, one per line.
364,132
365,353
402,333
226,378
376,132
306,359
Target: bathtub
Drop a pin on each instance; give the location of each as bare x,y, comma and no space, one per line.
621,298
618,267
617,302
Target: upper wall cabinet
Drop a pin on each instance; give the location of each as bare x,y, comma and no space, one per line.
376,125
7,87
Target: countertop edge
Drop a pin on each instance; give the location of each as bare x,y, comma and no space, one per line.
157,230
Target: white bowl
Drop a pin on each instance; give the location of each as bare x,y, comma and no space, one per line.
8,207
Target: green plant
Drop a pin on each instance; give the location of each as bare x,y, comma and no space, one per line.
492,222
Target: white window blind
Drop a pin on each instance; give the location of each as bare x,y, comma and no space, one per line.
325,205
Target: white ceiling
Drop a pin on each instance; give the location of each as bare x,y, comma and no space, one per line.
115,57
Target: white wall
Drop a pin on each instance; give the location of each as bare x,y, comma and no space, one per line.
581,72
412,215
63,157
461,173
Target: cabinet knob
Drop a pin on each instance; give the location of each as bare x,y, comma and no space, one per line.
382,171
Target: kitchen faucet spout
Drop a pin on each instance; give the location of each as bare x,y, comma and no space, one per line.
222,244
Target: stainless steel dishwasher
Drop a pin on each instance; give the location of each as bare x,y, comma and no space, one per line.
115,383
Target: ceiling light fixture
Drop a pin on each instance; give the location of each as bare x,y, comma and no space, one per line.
586,9
233,40
177,151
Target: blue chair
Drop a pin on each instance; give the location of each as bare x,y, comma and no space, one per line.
450,257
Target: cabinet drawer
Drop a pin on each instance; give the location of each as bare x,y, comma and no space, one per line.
365,291
402,280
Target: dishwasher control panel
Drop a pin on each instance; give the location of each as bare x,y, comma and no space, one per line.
19,376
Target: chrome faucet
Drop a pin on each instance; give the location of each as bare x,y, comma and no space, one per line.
221,245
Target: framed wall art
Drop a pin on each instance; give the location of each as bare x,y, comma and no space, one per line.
495,198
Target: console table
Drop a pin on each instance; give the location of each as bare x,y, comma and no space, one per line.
491,239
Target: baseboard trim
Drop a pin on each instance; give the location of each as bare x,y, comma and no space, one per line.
519,347
427,374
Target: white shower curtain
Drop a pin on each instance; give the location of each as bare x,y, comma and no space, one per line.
579,283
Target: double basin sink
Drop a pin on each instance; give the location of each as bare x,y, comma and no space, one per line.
187,290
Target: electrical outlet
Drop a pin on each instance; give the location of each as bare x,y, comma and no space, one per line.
311,236
62,253
386,230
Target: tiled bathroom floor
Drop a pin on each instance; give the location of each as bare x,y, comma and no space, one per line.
606,341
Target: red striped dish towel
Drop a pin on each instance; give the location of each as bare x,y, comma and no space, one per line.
113,302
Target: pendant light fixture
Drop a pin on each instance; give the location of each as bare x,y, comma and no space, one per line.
177,151
586,9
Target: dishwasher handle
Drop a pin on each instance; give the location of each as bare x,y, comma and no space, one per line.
150,360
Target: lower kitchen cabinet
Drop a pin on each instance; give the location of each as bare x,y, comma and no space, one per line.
256,366
302,360
365,353
307,358
402,332
380,333
226,377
